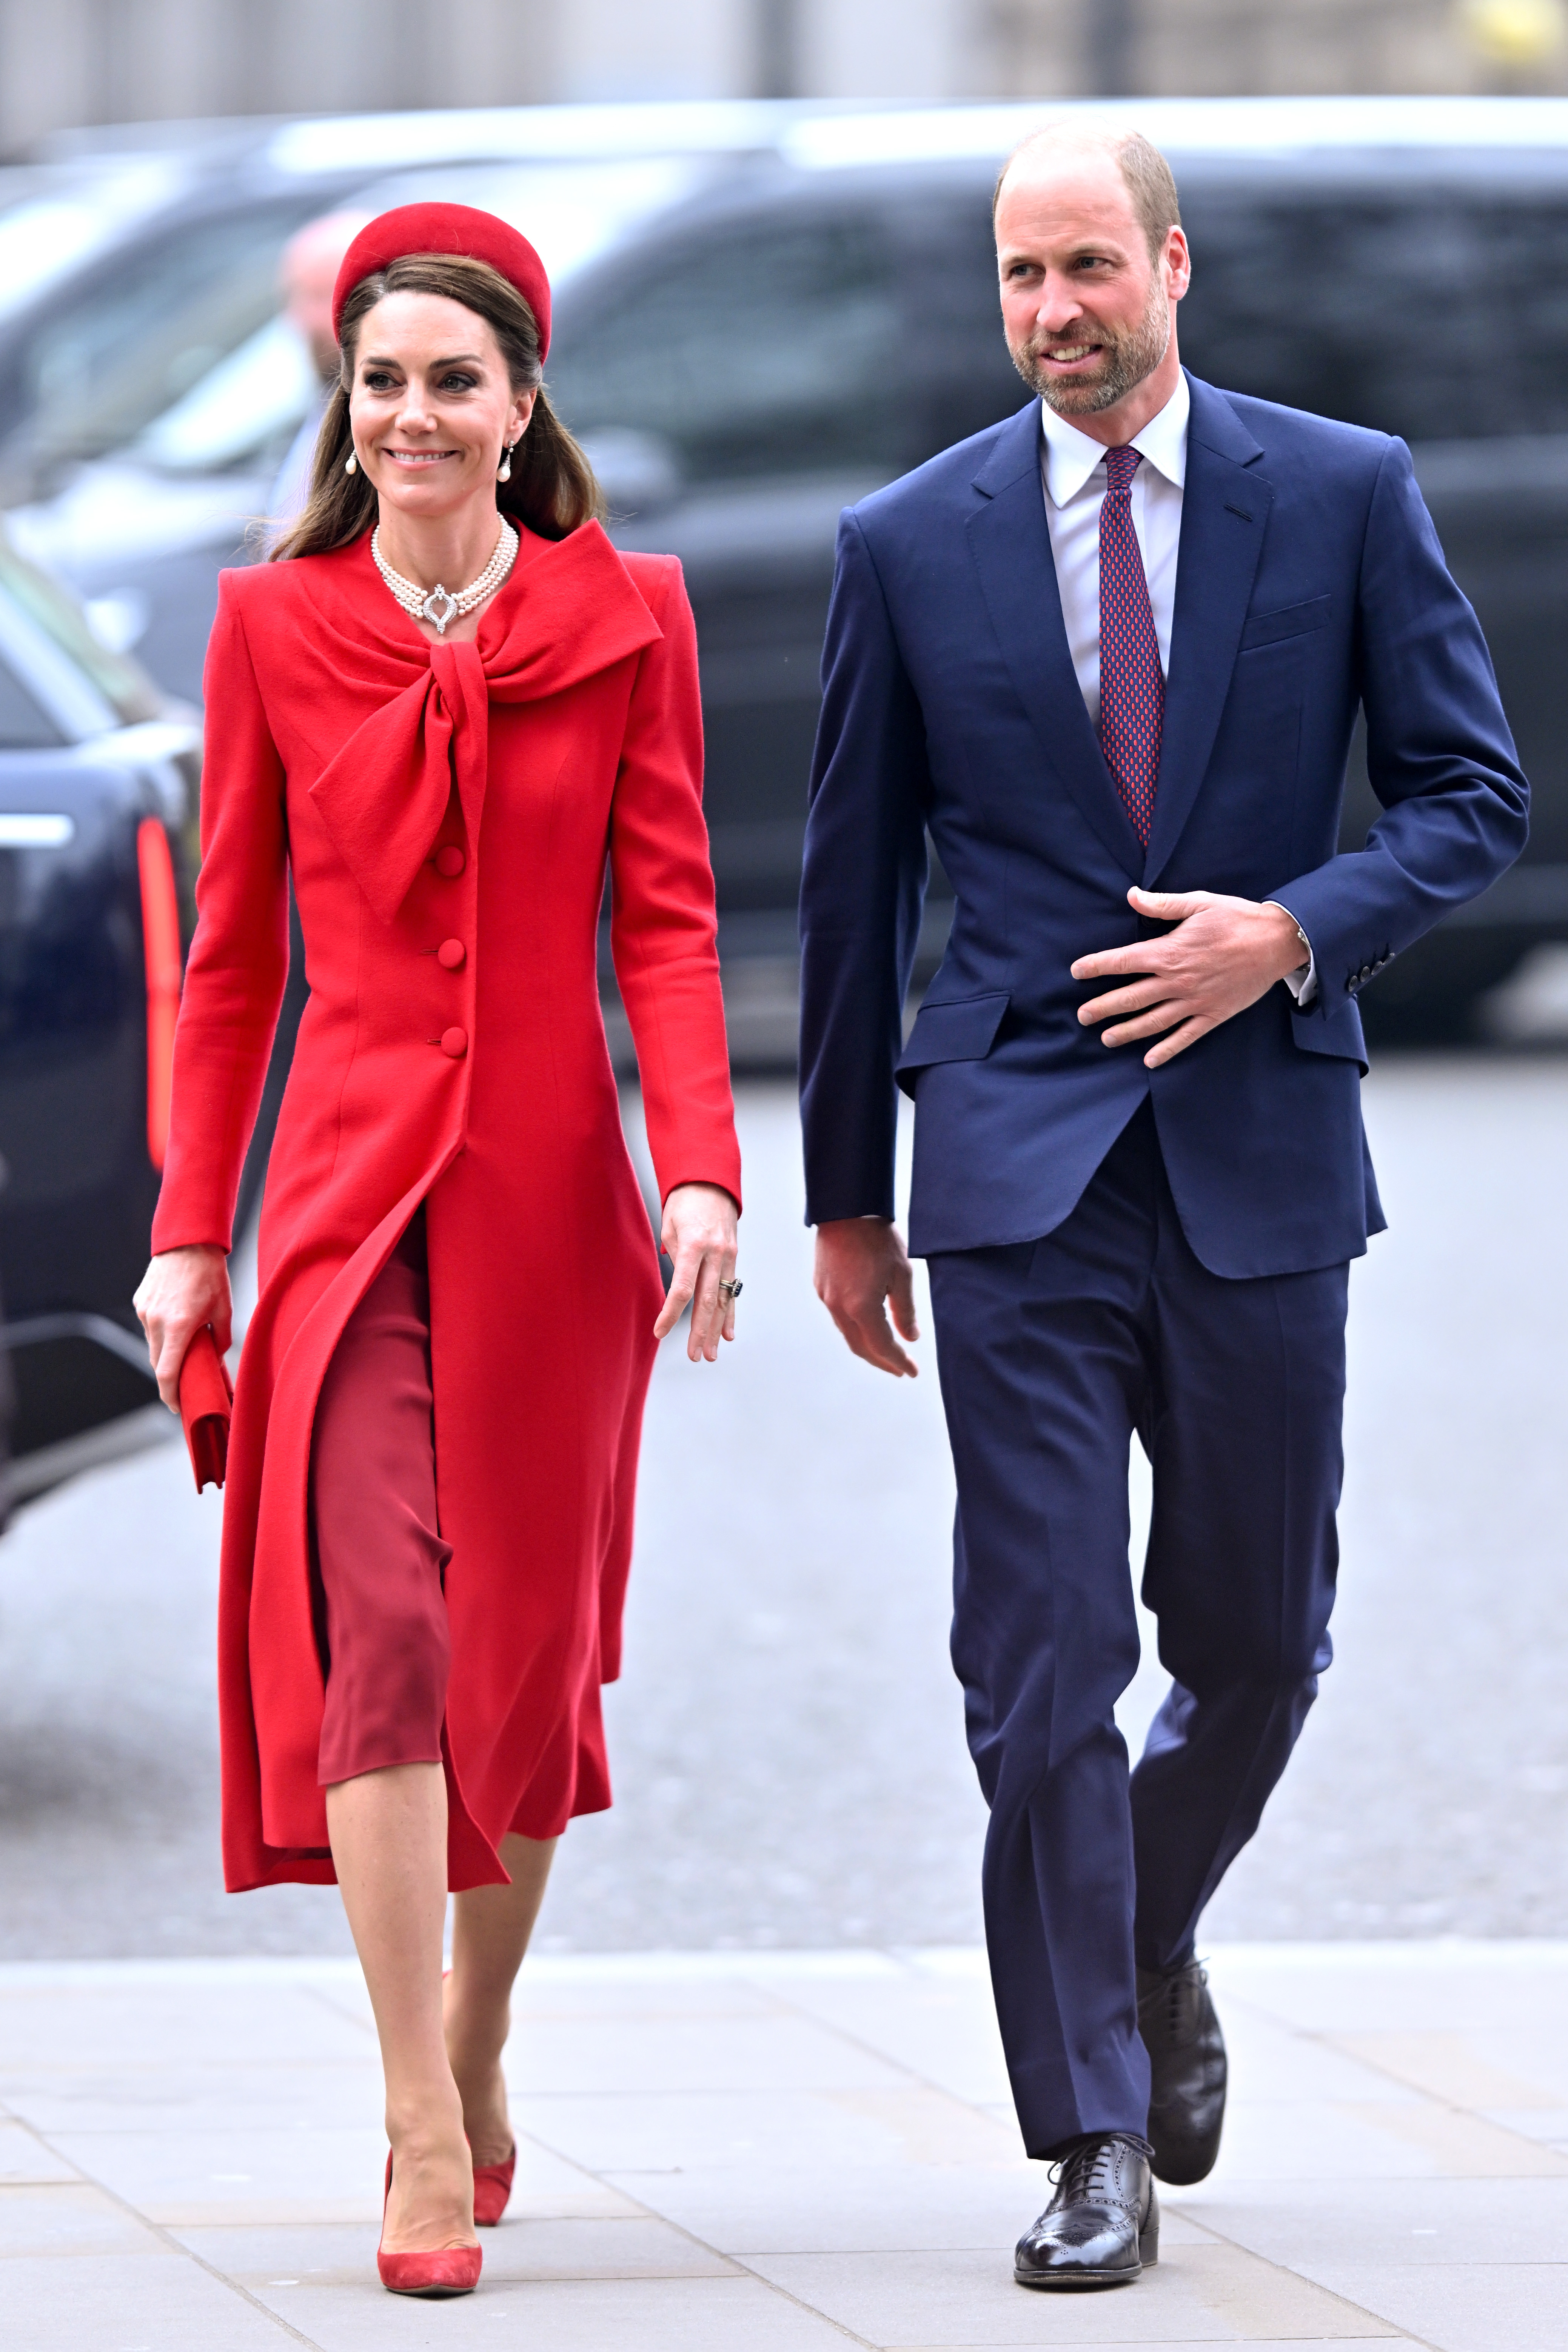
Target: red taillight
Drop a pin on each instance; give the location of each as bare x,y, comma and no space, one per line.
161,947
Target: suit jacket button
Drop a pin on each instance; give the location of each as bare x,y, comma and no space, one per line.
455,1044
450,861
451,955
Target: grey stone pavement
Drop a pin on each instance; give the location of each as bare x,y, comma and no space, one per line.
764,2152
787,1741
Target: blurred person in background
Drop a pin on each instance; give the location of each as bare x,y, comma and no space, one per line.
306,276
1112,654
428,1517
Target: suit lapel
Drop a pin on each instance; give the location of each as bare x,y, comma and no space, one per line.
1012,549
1225,512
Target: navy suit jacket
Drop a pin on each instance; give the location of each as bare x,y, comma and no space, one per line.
1309,583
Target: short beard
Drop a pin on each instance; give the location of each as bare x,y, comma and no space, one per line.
1125,361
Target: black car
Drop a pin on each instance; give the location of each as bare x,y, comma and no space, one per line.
98,777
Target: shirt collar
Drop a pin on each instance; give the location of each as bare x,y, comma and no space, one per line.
1070,456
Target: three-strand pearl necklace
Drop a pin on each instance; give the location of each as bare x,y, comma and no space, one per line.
438,605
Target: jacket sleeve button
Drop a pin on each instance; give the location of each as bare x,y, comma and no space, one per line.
451,955
450,861
454,1044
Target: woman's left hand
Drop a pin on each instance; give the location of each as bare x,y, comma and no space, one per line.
699,1237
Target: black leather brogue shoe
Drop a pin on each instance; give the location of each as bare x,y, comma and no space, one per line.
1187,2072
1101,2227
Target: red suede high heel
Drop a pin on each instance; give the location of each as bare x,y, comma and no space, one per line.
449,2270
492,2188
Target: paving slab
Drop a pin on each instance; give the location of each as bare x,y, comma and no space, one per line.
26,2158
776,2152
72,2218
1198,2294
1428,2223
705,2315
1468,2306
143,2300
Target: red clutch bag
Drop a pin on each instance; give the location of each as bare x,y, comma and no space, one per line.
206,1401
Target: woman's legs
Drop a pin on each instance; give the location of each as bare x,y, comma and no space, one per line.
388,1832
381,1559
491,1925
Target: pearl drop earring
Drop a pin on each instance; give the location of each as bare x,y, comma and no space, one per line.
503,471
351,464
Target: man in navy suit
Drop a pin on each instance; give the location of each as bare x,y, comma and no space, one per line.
1110,655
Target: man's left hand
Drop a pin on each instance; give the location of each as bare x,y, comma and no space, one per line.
1224,954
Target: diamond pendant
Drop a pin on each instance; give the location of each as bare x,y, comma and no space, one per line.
428,609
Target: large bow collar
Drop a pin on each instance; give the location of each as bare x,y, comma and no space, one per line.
569,611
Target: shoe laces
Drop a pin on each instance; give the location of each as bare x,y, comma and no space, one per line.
1176,1995
1088,2173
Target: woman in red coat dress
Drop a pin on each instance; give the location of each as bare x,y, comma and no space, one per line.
428,1513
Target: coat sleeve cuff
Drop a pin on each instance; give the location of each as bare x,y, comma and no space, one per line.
1302,982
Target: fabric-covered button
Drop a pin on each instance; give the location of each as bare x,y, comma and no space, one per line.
451,955
450,861
455,1044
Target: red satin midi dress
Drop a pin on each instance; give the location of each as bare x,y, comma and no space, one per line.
447,812
375,1524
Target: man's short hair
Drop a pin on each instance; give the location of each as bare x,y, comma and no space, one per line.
1149,178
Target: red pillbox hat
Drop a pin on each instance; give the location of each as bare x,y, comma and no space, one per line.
446,228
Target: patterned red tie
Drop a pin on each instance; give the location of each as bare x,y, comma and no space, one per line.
1132,689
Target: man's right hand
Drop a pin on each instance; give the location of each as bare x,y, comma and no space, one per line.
862,1268
182,1290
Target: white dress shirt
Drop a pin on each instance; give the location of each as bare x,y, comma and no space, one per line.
1073,468
1072,471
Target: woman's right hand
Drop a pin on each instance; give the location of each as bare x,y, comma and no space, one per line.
181,1290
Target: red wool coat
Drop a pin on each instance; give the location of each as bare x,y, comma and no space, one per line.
447,812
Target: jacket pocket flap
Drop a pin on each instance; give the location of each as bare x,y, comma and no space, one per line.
960,1031
1292,621
1336,1032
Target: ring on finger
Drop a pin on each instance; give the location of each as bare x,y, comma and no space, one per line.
731,1290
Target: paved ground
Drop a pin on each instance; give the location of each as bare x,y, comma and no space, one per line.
781,2154
787,1740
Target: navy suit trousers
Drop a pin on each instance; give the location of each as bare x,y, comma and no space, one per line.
1052,1353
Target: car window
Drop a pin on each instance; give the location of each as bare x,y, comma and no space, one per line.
758,346
570,212
128,691
256,396
54,216
134,340
24,725
955,355
1436,312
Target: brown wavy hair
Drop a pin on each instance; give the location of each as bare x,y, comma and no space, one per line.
551,490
